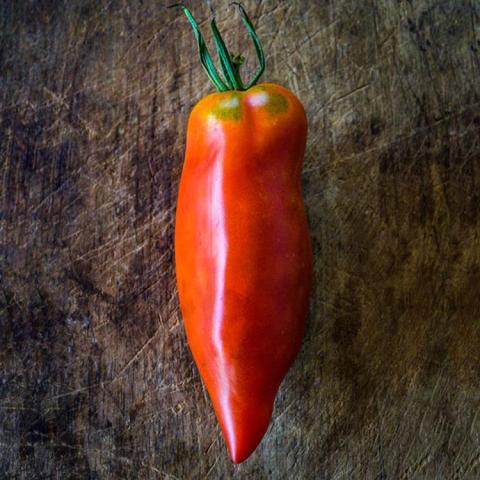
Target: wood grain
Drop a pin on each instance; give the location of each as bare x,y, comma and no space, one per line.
96,380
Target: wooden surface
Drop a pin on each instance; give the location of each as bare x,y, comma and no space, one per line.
96,379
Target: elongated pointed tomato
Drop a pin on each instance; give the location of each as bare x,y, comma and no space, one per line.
243,254
242,248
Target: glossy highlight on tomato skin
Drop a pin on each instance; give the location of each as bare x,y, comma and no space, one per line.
243,254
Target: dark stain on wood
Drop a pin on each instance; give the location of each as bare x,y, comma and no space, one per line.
96,380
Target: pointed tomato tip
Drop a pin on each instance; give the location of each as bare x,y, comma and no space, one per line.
246,432
239,455
236,459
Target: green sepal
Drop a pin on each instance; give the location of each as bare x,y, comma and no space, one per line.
229,64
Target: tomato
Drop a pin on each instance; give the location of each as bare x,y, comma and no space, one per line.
242,251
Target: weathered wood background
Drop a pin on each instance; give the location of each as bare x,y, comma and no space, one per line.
96,380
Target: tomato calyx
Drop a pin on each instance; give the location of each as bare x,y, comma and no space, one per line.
230,78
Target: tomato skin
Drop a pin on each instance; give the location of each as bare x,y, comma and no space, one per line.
243,253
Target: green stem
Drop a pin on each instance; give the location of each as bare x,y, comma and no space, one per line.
230,65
